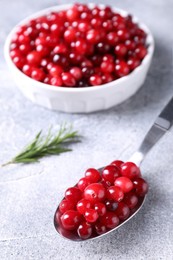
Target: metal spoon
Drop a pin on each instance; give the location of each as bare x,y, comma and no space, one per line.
161,125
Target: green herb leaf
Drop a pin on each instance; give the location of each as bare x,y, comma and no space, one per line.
44,145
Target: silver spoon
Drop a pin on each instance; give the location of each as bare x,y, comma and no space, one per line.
161,125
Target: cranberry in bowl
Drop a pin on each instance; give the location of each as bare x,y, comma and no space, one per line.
79,58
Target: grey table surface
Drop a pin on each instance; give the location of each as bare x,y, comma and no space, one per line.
29,194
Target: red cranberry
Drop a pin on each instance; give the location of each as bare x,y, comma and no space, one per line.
123,34
55,70
102,47
43,50
141,52
110,173
25,48
76,72
70,219
100,228
84,230
95,80
110,220
75,58
100,208
72,14
55,81
122,69
95,192
107,77
68,79
84,26
130,170
70,35
81,46
130,200
92,175
133,63
112,38
117,163
124,183
107,66
60,48
83,183
27,69
87,72
66,205
37,74
91,215
114,193
83,205
34,58
73,194
96,22
111,205
120,50
130,45
93,36
122,211
141,186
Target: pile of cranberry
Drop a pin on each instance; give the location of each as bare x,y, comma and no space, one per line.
101,200
78,47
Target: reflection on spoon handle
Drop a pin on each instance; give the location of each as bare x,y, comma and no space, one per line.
161,125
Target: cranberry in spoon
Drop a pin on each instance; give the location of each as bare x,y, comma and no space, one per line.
105,199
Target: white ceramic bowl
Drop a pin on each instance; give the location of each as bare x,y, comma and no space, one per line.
80,100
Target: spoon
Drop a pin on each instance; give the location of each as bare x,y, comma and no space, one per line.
161,125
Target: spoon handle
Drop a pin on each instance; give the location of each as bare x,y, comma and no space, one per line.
161,125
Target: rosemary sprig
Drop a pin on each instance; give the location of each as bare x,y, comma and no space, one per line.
44,145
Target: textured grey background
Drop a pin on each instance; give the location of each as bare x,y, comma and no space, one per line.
30,194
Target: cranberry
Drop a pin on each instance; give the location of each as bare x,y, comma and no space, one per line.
73,194
92,175
123,34
34,58
114,193
87,72
83,205
83,183
117,163
86,63
122,69
107,77
100,228
96,22
95,192
111,205
70,219
120,50
130,45
141,186
93,36
37,74
110,173
84,230
68,79
66,205
122,211
76,72
107,66
25,48
91,215
102,47
81,46
55,81
55,70
19,61
72,14
133,63
60,48
27,69
141,52
75,58
70,35
110,220
112,38
100,208
130,170
84,26
130,200
95,80
43,50
124,183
